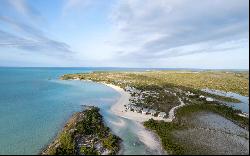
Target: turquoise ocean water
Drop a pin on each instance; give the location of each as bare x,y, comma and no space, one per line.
35,104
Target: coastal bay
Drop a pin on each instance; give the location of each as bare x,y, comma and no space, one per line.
137,85
59,99
124,77
35,105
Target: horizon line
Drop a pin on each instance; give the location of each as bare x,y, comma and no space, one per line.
184,68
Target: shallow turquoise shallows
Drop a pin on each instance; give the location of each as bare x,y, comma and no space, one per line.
35,104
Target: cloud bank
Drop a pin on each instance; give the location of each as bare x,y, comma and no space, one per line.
18,31
161,29
128,33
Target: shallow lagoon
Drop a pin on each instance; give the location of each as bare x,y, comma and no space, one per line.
35,104
212,134
243,105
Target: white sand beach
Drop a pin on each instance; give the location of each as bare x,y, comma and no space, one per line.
119,109
144,135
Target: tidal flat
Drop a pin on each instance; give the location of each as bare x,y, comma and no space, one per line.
209,133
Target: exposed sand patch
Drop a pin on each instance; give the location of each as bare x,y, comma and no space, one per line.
119,123
145,136
148,138
213,134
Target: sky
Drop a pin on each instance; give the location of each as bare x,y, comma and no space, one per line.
208,34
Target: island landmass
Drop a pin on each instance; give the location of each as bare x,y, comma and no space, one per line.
154,94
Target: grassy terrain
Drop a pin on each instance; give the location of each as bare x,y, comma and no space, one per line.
225,81
225,111
163,130
166,87
82,134
237,82
158,99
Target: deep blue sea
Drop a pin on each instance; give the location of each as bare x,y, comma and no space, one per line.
35,104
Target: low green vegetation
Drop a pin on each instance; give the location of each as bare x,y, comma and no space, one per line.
88,150
159,82
85,134
93,124
157,98
236,82
161,90
67,146
225,111
165,87
165,130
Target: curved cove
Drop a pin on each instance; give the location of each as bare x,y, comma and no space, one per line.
35,104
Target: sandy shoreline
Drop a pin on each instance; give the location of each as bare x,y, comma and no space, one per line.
119,109
147,137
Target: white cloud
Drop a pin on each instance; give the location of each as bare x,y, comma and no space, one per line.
16,30
162,28
140,33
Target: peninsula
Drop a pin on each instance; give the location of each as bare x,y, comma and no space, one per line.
172,103
84,134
